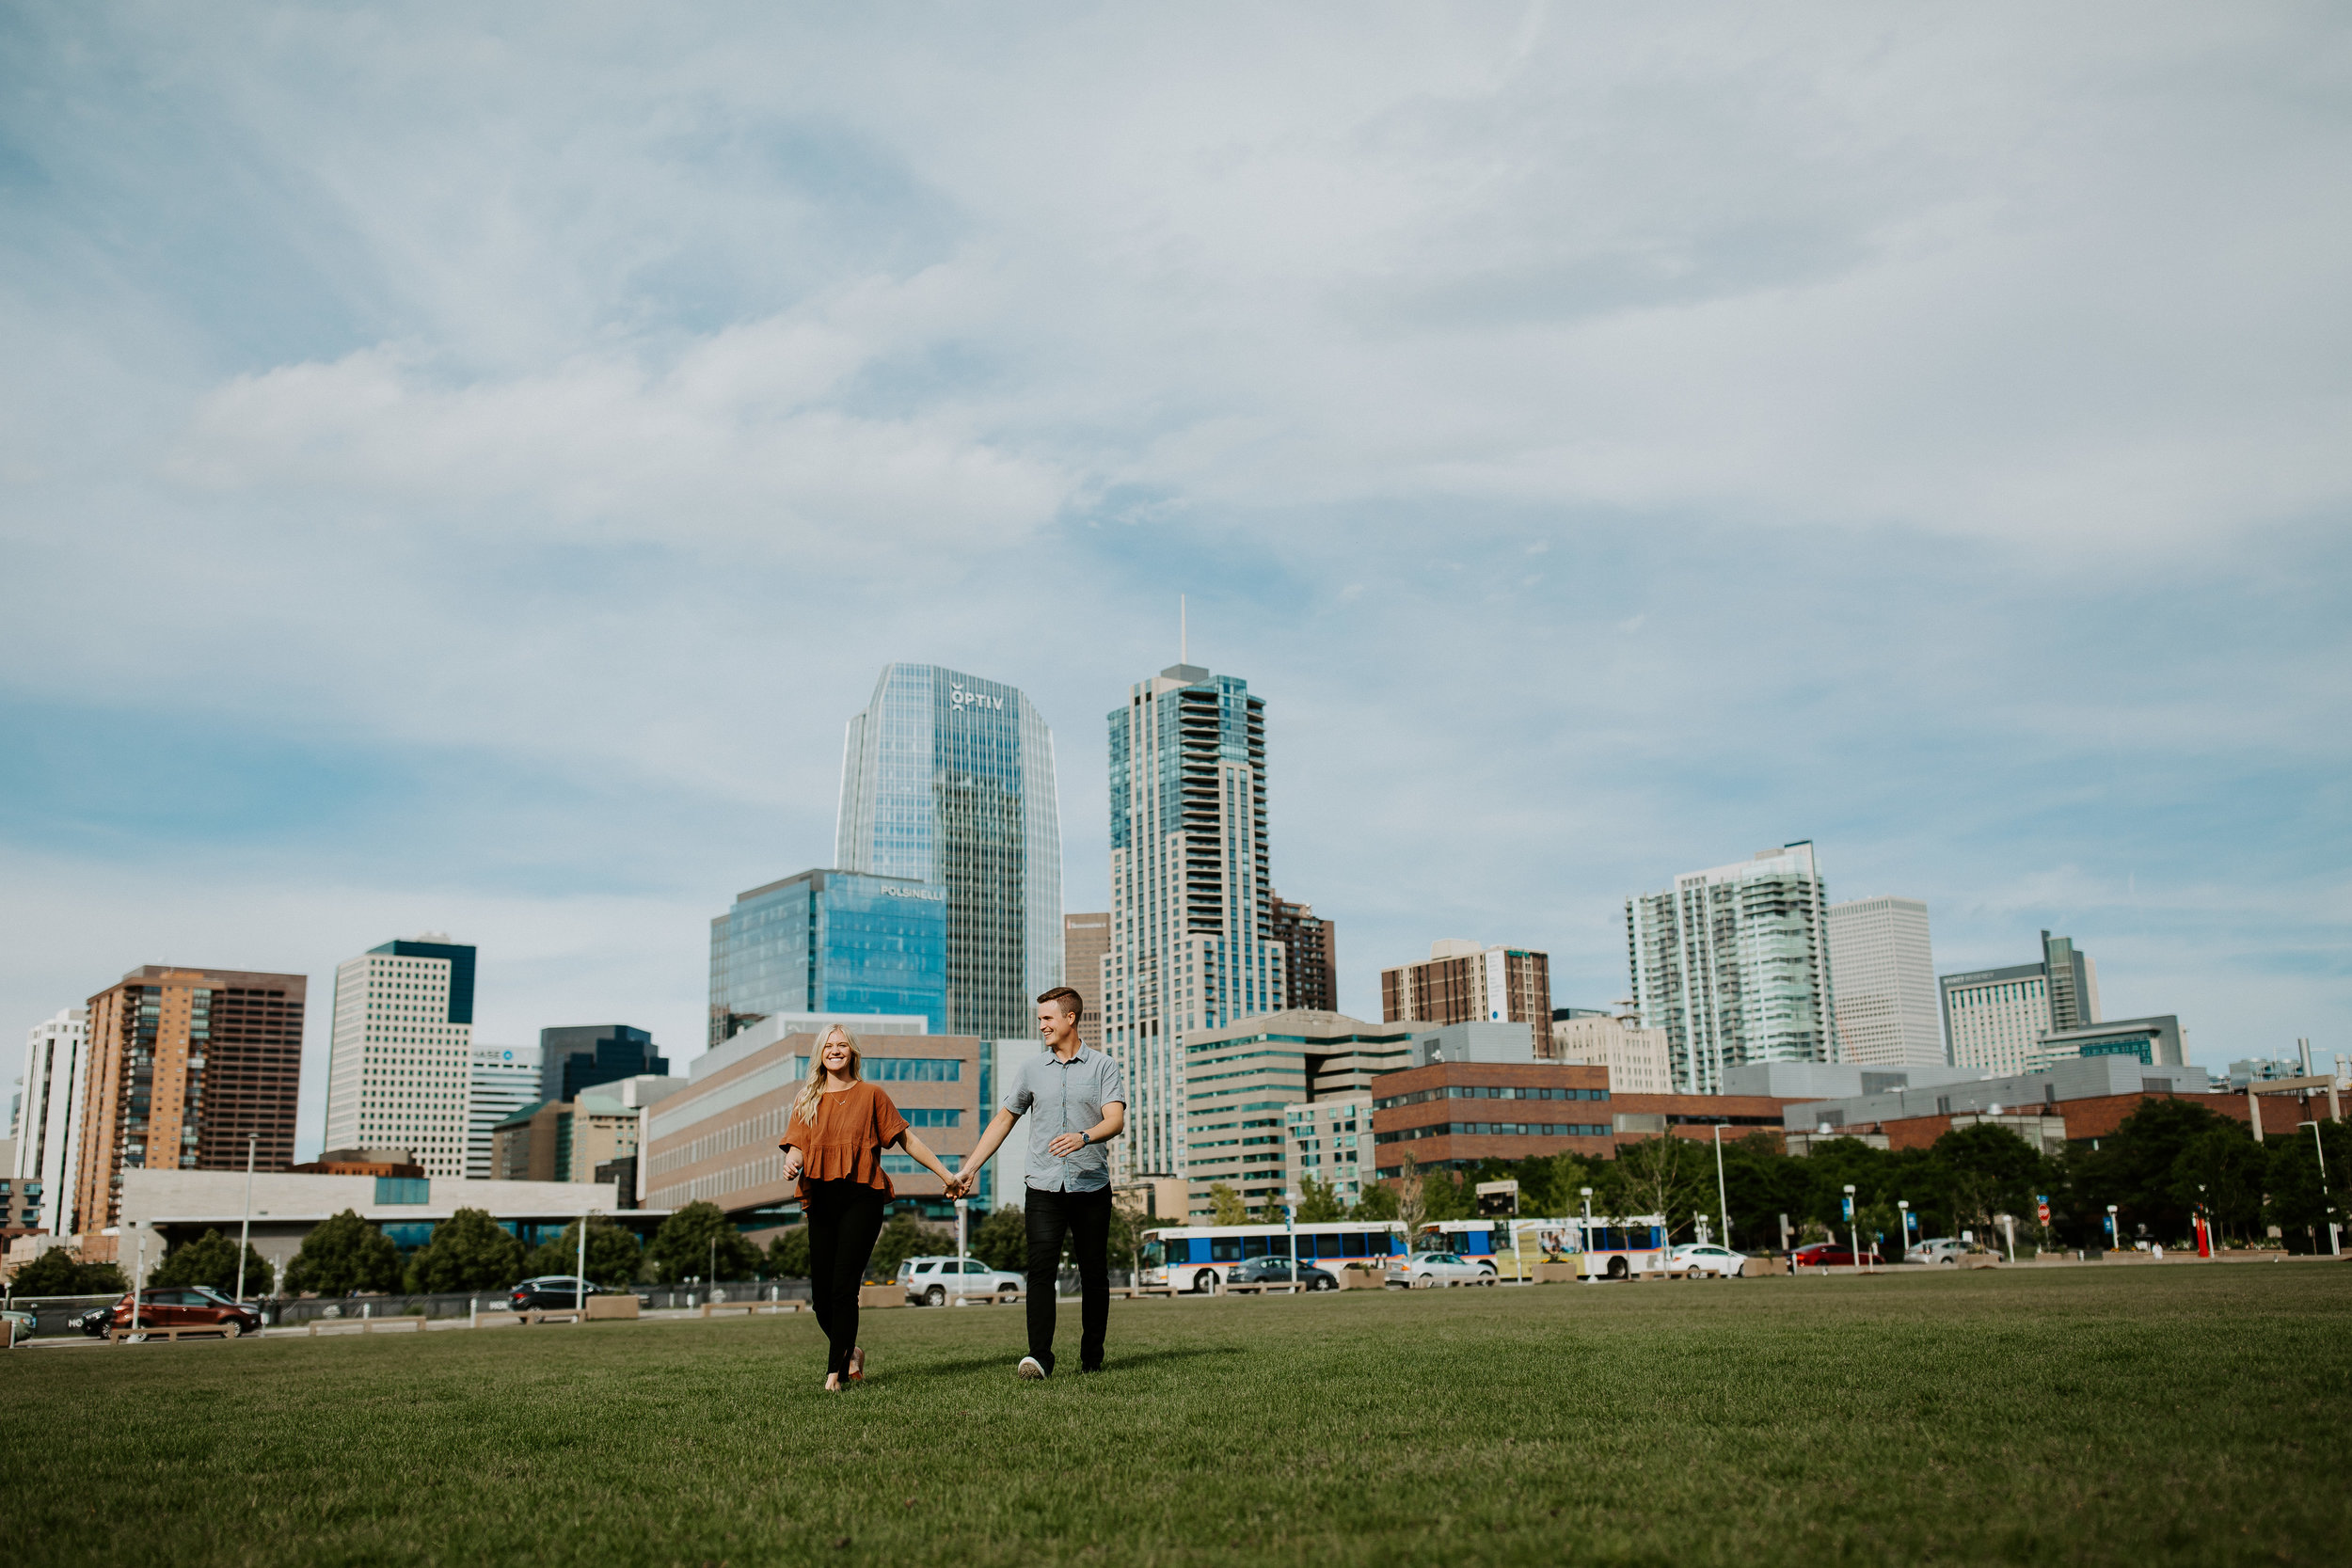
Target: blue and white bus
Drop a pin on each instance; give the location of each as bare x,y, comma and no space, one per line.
1195,1256
1616,1248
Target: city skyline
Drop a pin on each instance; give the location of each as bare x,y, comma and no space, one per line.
1950,475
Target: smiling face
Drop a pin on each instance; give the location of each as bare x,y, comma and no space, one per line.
837,1053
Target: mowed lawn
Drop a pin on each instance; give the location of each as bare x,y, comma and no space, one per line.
2129,1415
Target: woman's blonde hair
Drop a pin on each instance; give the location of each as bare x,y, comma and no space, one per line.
805,1108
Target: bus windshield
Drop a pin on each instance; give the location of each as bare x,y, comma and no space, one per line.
1154,1255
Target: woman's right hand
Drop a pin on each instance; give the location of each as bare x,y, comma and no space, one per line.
791,1164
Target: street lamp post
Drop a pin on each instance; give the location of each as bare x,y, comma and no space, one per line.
1722,1200
2115,1237
579,1296
1290,1228
1903,1206
1853,1227
1585,1247
963,1206
244,1230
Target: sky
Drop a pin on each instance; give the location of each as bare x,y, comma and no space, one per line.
460,470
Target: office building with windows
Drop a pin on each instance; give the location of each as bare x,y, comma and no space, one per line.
399,1066
1086,943
1885,991
503,1078
582,1055
1192,918
1636,1057
948,779
1462,982
829,941
183,1065
1732,964
715,1140
1245,1080
1995,1018
49,1117
1310,947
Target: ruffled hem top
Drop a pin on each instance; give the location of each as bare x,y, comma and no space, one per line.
844,1138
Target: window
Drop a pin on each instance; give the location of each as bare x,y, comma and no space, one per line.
931,1115
404,1189
914,1070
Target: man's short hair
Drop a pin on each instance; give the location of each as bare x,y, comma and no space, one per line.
1071,1003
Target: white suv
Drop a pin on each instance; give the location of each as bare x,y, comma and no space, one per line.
932,1280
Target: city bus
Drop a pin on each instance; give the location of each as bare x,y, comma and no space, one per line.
1616,1247
1195,1256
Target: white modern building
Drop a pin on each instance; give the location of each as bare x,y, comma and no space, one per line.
948,779
1732,964
49,1117
1996,1018
503,1080
1192,943
1636,1057
1332,1142
400,1062
1885,992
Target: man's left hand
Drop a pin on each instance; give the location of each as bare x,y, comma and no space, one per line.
1067,1145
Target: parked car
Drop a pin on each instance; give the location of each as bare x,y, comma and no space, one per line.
1829,1255
1936,1249
1277,1271
932,1280
19,1325
550,1292
1694,1259
93,1323
196,1307
1418,1271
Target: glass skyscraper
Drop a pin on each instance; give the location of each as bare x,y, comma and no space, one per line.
1732,964
829,941
948,779
1192,917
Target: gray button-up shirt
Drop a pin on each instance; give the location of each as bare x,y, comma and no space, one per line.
1061,1097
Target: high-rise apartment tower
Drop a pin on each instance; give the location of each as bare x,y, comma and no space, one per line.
1461,982
400,1067
1086,941
185,1064
948,779
49,1117
1311,949
1733,963
1192,928
1886,1007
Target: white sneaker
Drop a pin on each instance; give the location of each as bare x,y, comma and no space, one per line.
1029,1369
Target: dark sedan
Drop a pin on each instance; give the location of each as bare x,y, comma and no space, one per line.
551,1293
1277,1271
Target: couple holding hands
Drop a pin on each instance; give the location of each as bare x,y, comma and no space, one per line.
1075,1101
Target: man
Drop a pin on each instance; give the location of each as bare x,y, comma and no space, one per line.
1076,1100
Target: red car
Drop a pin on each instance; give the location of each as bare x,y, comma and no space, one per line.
1829,1255
198,1307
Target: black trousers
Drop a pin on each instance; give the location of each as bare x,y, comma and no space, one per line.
844,1217
1085,1218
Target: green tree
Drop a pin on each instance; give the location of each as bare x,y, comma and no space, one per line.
1002,1241
1373,1203
2299,1199
57,1273
1444,1195
1667,1176
1318,1202
345,1257
469,1251
2132,1168
211,1259
2222,1167
906,1237
1981,1171
787,1255
1227,1206
613,1254
1762,1183
696,1239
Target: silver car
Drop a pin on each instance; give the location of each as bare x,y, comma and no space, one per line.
1420,1271
930,1281
1696,1259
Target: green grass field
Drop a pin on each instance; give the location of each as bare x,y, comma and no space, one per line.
2138,1415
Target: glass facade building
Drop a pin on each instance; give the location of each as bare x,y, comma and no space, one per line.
581,1055
829,941
1732,964
948,779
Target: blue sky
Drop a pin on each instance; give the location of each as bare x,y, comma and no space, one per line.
463,475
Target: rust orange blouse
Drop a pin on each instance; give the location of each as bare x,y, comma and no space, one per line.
845,1140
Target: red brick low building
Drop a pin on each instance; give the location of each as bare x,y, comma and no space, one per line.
1454,1115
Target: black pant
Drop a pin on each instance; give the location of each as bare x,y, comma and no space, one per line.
844,1217
1085,1219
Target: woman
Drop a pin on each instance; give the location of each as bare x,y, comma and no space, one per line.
833,1147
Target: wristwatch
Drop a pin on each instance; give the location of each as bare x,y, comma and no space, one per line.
1085,1138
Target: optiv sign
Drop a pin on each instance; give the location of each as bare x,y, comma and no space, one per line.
960,699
